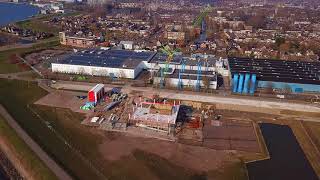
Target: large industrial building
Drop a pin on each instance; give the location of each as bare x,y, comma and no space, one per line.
296,76
198,70
97,62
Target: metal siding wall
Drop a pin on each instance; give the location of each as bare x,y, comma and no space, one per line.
235,82
253,83
295,87
240,86
92,70
246,83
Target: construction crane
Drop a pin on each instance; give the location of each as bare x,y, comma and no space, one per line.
170,53
197,87
203,13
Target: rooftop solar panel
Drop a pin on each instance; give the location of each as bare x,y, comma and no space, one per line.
108,58
278,70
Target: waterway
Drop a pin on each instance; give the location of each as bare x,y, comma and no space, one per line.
287,161
12,12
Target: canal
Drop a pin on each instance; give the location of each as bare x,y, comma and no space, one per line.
287,162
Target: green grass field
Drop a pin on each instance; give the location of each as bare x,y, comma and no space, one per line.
37,25
7,67
20,95
29,160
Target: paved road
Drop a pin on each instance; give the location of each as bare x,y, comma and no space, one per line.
51,164
190,96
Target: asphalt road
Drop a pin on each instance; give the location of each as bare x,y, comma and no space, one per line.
51,164
191,96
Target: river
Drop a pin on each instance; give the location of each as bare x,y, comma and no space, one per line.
12,12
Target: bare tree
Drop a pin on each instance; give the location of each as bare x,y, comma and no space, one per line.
206,82
269,88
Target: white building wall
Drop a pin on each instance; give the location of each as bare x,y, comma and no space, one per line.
187,67
186,82
93,70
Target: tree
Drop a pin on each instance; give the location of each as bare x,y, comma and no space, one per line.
257,21
284,47
269,88
279,40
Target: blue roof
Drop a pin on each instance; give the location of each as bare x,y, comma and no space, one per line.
162,58
107,58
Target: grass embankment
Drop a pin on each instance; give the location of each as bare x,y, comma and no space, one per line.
18,95
304,132
236,171
37,25
27,158
6,66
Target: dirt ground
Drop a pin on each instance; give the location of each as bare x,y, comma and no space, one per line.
237,136
231,135
64,99
193,157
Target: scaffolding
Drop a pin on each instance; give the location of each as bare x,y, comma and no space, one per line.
155,116
197,88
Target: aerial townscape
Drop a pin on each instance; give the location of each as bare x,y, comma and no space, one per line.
160,89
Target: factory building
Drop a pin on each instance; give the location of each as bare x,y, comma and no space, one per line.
188,78
96,62
294,76
196,71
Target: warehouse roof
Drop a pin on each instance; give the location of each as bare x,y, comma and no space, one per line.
107,58
161,58
278,70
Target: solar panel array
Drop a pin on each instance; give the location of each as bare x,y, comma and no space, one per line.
108,58
278,70
161,58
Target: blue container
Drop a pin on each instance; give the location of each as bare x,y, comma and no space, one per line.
253,84
246,84
298,90
235,82
240,86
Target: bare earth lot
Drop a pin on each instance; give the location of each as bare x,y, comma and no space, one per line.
191,157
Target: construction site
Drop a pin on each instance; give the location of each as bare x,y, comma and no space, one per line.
144,114
172,117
